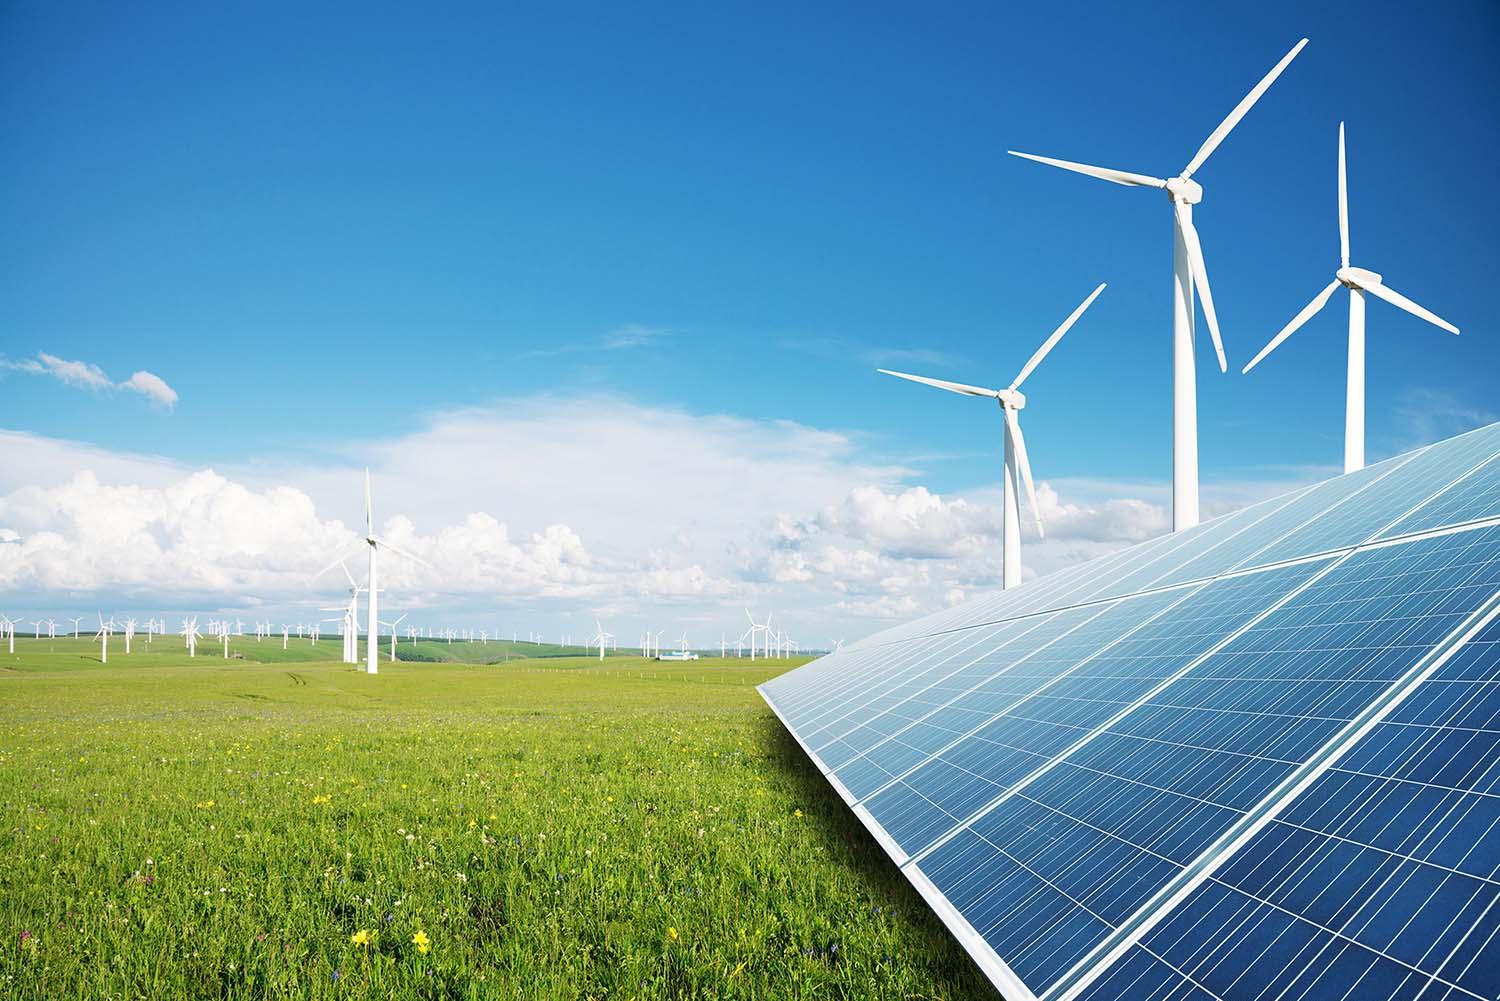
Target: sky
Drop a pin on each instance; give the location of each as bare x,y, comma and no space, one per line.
597,292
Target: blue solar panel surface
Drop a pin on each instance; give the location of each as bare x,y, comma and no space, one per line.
1255,759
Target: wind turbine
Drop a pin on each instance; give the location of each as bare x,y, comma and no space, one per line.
393,626
129,633
75,625
103,637
600,637
1011,401
762,628
1189,271
191,634
1358,281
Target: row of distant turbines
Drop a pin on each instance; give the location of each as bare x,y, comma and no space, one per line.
1190,273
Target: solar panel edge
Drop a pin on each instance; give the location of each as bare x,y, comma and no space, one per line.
1277,801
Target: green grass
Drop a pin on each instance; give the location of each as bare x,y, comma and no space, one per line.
176,828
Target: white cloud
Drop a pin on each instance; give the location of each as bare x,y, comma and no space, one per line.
539,513
86,375
153,387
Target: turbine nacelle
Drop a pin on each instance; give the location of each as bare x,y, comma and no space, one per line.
1184,190
1357,278
1011,399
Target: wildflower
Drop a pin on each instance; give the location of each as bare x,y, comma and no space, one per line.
672,933
323,799
361,937
335,975
796,813
28,940
206,804
421,942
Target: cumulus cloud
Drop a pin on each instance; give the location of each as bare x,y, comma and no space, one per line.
540,513
86,375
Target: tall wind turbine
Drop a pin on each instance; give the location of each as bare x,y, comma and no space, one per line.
1011,401
601,638
375,544
1358,281
1184,193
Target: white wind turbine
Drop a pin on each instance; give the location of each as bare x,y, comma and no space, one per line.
393,626
105,628
375,544
762,629
1190,271
1358,281
8,625
129,633
1011,401
75,625
600,638
191,634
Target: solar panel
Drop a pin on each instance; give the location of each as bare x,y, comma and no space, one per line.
1255,759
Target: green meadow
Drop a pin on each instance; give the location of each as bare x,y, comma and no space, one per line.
533,827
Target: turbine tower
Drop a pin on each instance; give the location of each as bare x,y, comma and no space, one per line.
1011,402
1358,281
1184,193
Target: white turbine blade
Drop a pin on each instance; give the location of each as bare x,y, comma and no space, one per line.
369,508
750,617
1024,462
338,562
381,543
952,387
1308,312
1057,334
1400,301
1228,124
1343,203
1124,177
1200,279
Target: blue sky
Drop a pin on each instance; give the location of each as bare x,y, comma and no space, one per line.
324,226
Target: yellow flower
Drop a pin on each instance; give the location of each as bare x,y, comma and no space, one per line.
672,933
796,813
420,941
361,937
323,799
206,804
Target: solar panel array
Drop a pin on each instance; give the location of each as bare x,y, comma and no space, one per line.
1256,759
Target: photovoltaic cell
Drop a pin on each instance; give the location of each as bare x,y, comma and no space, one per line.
1186,771
1379,881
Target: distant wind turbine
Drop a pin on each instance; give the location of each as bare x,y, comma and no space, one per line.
1011,401
1190,271
1358,281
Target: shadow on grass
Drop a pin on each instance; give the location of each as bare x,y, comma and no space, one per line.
846,839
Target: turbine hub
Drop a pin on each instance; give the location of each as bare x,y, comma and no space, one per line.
1360,278
1185,190
1012,399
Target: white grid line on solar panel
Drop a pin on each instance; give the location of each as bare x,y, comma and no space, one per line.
1309,506
1205,538
1393,800
1074,638
1250,598
882,760
859,735
1483,550
952,654
1042,595
843,677
1479,498
1370,514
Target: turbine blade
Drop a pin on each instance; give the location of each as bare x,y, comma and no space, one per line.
1400,301
1022,460
382,544
750,617
342,557
1228,124
1124,177
1200,279
1308,312
952,387
1343,203
369,510
1057,334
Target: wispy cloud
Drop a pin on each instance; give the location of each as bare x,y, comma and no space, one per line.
1427,415
623,338
869,356
86,375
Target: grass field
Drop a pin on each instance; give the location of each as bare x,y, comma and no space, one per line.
552,828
